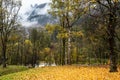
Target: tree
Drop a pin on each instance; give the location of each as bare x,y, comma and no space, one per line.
67,12
34,38
8,22
109,10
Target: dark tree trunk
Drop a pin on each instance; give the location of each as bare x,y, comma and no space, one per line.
112,44
60,62
77,50
112,8
33,58
4,55
63,54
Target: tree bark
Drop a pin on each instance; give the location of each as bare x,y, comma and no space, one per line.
112,44
4,54
64,52
69,47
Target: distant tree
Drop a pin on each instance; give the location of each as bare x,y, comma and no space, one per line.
8,22
34,39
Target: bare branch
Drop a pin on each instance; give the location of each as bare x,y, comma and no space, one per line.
99,2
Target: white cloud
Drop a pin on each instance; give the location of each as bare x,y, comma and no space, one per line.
26,7
27,3
28,24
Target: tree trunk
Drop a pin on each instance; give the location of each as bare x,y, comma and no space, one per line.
112,44
60,52
63,55
69,48
4,55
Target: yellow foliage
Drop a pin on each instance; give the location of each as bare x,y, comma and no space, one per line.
115,0
28,42
65,73
47,50
72,34
62,35
14,37
74,53
75,50
93,0
16,44
80,34
50,28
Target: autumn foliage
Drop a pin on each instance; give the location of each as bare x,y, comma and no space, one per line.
65,73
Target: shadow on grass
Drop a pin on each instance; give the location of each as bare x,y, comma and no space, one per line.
12,69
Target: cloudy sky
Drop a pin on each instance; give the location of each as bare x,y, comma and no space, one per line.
26,7
27,3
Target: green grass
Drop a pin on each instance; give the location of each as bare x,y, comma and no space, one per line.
21,75
11,69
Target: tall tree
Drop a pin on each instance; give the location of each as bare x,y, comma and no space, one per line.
68,12
34,39
110,11
8,21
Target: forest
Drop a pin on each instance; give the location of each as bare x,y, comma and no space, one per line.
85,33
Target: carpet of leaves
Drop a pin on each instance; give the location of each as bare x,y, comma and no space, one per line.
65,73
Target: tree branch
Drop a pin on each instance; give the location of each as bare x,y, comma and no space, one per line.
98,1
117,36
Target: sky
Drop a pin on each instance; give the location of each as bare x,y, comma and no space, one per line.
27,3
26,7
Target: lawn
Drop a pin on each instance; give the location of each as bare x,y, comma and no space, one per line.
65,73
11,69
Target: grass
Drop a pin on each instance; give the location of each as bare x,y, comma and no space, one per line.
65,73
11,69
